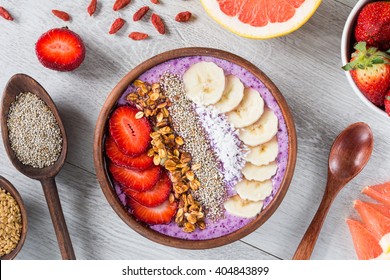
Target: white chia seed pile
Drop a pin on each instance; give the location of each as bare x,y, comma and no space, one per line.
186,123
34,134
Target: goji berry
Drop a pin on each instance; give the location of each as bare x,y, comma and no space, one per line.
158,23
5,14
61,14
137,36
120,4
92,7
183,16
155,1
117,25
140,13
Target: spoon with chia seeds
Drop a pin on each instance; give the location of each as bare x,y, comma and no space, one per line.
35,141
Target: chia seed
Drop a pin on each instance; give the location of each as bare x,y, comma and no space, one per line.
34,134
187,124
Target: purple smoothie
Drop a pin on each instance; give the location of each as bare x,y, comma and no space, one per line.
229,223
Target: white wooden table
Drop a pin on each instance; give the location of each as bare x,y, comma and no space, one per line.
304,65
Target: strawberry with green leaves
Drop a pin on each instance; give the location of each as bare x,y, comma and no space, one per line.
370,69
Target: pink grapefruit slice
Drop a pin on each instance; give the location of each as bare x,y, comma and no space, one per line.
377,223
380,193
261,19
381,208
366,245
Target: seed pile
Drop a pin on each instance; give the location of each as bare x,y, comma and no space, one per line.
211,193
10,223
34,134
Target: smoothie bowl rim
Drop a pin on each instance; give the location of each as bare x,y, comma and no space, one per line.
109,190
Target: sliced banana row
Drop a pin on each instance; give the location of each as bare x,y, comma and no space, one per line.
253,189
206,84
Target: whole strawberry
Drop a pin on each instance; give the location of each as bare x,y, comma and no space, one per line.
370,69
373,25
387,103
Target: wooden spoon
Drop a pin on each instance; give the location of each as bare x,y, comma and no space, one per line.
349,154
23,83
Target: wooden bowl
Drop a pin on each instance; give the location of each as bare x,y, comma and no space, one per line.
109,191
6,185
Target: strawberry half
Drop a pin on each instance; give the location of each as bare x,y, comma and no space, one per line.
373,25
132,135
154,197
135,179
370,69
387,103
60,49
141,162
161,214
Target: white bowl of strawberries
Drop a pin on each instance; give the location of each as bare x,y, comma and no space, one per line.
365,53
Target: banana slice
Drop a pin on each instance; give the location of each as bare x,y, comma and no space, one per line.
232,95
204,83
259,173
254,190
248,111
261,131
242,207
264,153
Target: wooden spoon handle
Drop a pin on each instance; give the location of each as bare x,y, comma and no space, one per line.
309,240
58,219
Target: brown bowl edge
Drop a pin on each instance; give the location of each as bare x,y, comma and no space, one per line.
5,184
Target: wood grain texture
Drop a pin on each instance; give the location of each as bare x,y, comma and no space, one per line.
304,65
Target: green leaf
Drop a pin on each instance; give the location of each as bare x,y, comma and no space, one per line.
377,60
347,67
361,46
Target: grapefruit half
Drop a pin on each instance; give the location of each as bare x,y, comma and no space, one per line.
261,19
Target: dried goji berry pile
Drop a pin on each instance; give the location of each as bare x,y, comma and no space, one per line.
155,19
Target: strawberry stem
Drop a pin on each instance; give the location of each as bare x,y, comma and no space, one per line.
365,57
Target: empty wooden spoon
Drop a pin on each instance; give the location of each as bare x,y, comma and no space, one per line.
349,154
22,83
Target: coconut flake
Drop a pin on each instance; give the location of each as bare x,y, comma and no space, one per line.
224,138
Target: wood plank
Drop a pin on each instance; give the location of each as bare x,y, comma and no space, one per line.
305,65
